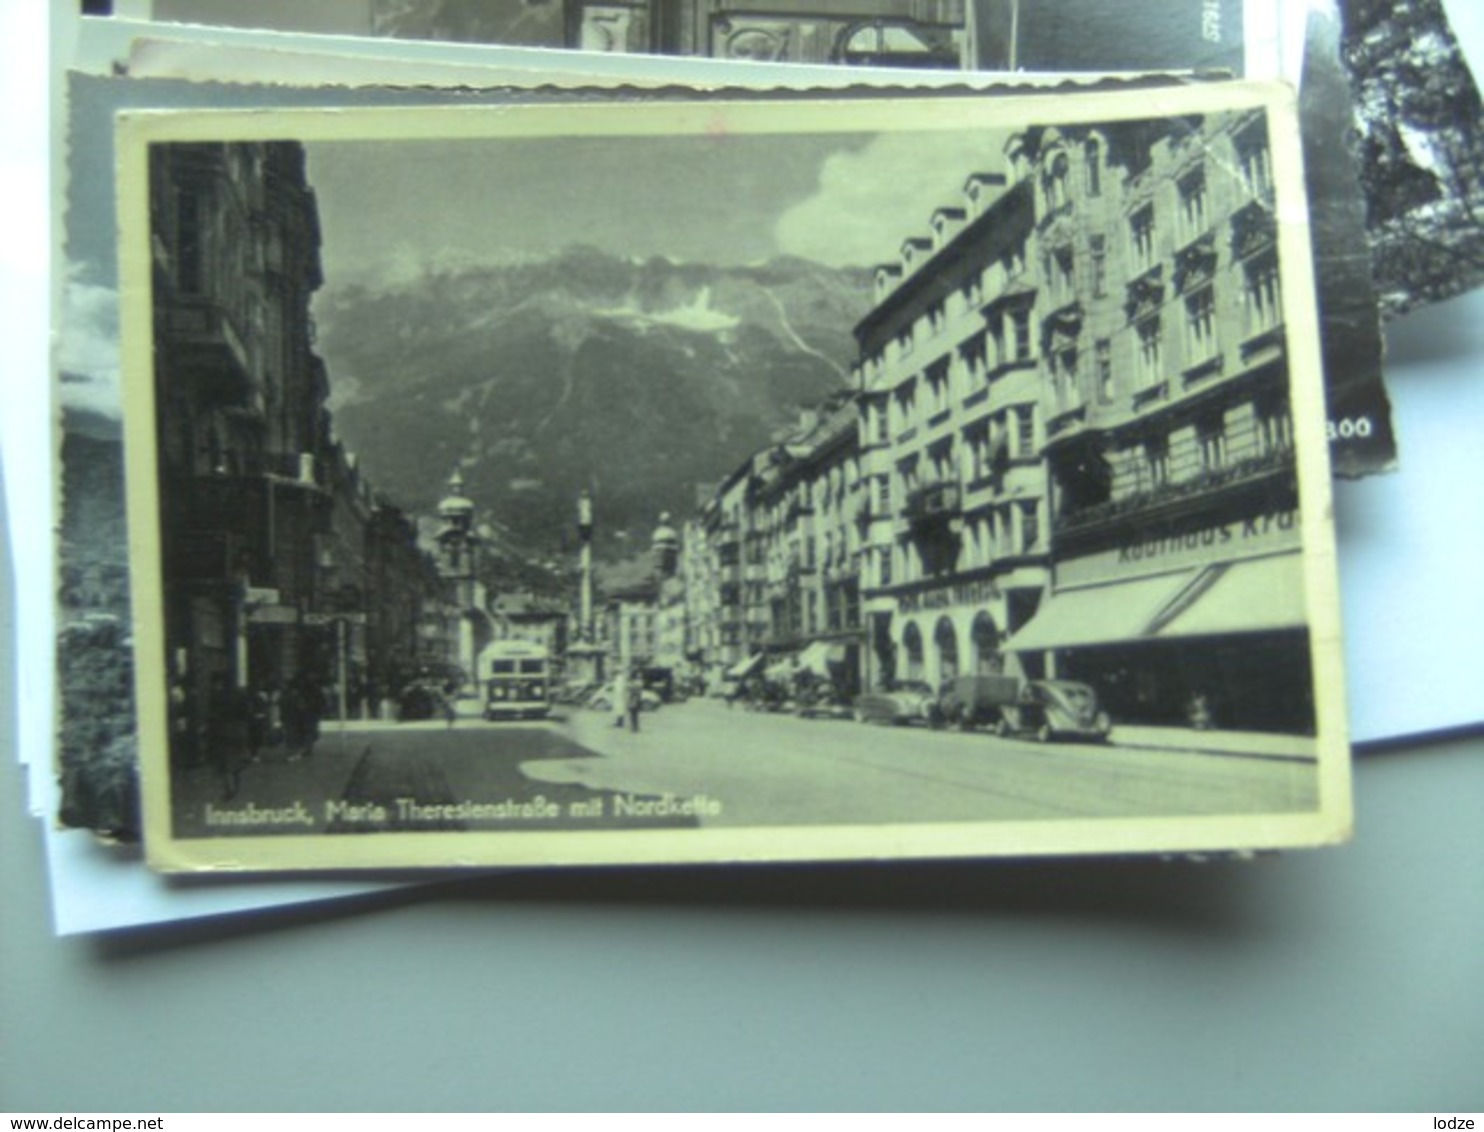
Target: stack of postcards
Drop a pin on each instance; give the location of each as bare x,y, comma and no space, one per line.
538,433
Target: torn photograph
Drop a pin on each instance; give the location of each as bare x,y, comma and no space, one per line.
728,481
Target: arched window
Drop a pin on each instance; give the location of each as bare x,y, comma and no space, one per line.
912,646
946,641
985,635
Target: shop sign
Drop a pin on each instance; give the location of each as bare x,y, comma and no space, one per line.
316,619
979,592
1173,546
272,615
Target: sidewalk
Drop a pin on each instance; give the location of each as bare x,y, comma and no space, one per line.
595,730
1245,744
468,707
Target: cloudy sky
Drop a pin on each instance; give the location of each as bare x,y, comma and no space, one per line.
387,208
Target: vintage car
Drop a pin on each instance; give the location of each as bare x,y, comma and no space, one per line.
1048,709
899,701
1012,706
823,702
967,702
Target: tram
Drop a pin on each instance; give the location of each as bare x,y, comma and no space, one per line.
515,677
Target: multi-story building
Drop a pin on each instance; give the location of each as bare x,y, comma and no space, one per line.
240,410
1176,568
278,561
805,540
953,508
1075,444
769,564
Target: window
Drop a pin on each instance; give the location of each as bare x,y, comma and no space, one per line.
1141,238
1157,460
1099,263
1064,376
883,495
1054,183
1254,159
937,377
973,354
1022,323
1200,326
1192,205
1211,436
1061,268
904,403
1092,155
1274,428
1104,355
1030,527
1150,365
883,565
1025,432
1261,296
935,318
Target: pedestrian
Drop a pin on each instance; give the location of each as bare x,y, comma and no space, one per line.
635,702
620,698
257,722
302,709
227,730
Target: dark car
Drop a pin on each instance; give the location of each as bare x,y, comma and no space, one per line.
422,699
979,700
1049,709
900,701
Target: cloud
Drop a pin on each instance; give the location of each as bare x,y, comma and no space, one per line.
873,198
88,350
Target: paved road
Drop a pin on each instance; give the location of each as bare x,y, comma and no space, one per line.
701,763
409,777
779,769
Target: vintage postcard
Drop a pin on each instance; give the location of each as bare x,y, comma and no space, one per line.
1004,35
728,481
95,726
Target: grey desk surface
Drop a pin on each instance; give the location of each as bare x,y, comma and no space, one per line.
1346,979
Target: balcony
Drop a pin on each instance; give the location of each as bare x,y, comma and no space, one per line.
1259,473
933,502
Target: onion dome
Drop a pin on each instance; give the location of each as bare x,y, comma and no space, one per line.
455,505
665,536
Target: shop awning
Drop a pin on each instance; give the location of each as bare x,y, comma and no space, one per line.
819,656
1118,611
1259,595
744,668
782,668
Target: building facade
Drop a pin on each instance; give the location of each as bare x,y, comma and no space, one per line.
1177,582
955,553
241,418
279,564
1069,450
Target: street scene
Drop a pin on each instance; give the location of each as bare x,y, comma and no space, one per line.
945,477
704,764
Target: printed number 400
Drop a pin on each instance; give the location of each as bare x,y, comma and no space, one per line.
1349,428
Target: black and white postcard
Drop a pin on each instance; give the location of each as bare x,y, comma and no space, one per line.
728,481
1000,35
